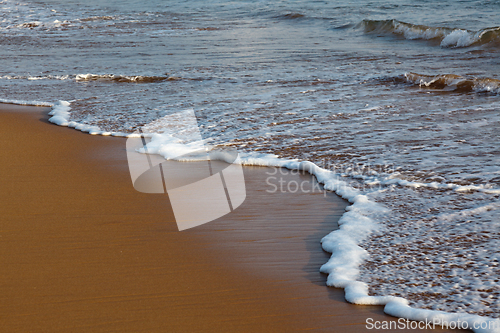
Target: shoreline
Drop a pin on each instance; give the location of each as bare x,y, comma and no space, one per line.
86,251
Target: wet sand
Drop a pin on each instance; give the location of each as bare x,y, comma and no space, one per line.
82,251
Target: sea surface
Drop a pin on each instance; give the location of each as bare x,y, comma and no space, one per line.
399,98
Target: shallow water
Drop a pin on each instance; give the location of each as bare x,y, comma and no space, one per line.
358,87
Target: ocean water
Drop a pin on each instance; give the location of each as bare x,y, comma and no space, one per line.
398,99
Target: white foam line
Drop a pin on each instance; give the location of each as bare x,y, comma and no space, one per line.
61,114
354,226
458,188
469,212
390,180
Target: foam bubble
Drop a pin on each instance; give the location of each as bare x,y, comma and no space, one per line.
60,113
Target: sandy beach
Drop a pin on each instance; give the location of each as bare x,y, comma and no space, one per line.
82,251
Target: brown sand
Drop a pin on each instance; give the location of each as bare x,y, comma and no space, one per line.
82,251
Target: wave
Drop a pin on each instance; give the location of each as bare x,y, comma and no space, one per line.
123,78
95,77
98,18
290,16
41,25
448,37
34,78
453,82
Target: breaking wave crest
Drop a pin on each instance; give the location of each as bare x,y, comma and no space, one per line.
123,78
453,82
448,37
95,77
